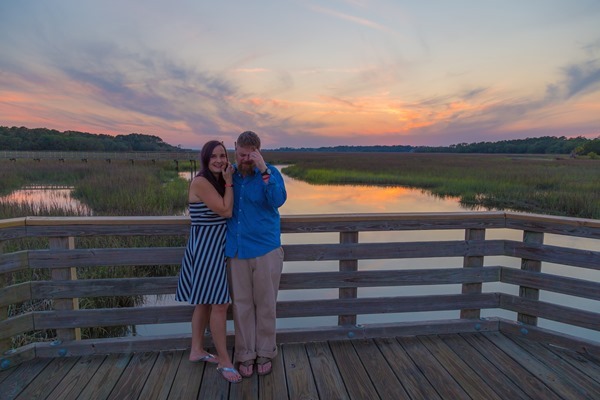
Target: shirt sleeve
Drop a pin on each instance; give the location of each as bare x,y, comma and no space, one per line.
275,189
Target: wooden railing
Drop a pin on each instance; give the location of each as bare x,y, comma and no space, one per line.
461,264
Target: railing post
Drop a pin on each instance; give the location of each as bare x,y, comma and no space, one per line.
68,273
530,237
472,262
5,344
348,265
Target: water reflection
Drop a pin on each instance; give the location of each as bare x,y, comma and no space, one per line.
43,198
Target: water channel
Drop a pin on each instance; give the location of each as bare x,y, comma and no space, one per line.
304,198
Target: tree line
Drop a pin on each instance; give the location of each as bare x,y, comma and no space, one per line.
540,145
43,139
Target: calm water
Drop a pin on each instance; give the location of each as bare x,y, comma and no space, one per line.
304,198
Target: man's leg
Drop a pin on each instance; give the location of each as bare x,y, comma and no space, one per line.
266,285
240,280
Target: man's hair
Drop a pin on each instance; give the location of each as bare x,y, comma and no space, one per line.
248,139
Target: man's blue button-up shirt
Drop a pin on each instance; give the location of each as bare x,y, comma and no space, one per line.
254,228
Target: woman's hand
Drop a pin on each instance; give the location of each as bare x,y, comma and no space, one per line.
228,173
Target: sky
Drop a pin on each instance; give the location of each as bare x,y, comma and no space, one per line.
303,73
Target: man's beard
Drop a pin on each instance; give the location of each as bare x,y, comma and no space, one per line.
246,168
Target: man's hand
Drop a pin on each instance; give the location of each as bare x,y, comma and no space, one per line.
258,159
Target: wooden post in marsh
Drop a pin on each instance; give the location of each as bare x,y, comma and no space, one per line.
472,262
348,265
68,274
525,292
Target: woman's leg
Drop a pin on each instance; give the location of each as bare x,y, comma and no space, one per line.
218,328
199,323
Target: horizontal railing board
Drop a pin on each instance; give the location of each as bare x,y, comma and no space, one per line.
107,230
380,278
389,222
554,312
285,309
554,254
569,226
104,287
16,325
553,283
182,341
385,305
105,257
373,251
289,281
293,252
15,294
13,262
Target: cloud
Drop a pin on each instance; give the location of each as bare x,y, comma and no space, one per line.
582,78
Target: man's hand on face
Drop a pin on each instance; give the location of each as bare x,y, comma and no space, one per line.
258,160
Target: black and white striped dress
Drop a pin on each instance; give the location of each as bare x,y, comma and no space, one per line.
203,278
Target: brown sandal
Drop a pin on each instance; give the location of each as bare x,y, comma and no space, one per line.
266,364
246,368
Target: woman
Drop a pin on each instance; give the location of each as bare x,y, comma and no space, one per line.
203,278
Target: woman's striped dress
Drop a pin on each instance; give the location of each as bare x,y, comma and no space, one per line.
203,278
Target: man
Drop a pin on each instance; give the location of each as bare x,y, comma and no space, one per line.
255,255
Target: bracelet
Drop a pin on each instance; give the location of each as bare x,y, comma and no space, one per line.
229,185
266,177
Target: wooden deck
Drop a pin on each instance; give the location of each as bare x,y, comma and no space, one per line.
487,365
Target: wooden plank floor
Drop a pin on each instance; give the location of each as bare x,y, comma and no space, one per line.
465,366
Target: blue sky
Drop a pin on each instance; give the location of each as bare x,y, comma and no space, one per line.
304,73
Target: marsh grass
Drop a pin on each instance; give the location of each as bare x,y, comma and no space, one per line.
108,189
538,184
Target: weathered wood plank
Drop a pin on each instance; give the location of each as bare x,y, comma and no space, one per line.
103,381
535,333
531,384
414,382
555,312
554,283
390,222
559,384
348,362
77,378
14,262
386,383
131,381
442,381
105,257
300,381
569,226
465,376
48,379
327,377
272,386
583,362
472,261
18,379
15,294
213,385
554,254
487,371
374,251
186,383
161,376
302,280
587,387
15,325
348,266
301,308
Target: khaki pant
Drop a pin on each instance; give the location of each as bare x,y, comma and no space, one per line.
254,283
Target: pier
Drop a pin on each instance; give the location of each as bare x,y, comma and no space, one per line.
470,355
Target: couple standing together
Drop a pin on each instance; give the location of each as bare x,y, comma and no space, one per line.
234,215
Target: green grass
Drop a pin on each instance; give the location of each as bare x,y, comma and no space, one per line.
539,184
